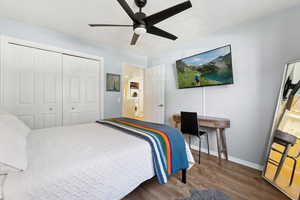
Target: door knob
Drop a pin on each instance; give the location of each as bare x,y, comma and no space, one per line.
73,108
50,109
161,105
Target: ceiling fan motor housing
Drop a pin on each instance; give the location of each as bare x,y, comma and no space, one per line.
140,16
140,3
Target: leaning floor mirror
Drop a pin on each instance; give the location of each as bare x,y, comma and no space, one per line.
282,167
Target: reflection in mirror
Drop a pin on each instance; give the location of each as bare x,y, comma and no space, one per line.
282,168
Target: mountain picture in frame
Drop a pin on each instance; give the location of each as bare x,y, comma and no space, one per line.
206,69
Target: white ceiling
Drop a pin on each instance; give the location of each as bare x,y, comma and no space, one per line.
72,16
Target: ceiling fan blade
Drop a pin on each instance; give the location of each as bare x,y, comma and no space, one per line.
104,25
157,31
128,10
162,15
134,39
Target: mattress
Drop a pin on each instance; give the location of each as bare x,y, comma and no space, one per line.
81,162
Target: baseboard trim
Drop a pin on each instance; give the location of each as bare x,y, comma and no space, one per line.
233,159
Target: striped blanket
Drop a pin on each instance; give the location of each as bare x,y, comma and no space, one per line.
167,143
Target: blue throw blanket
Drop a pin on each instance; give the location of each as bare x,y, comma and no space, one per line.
167,143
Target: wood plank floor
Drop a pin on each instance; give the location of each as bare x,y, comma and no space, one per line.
237,181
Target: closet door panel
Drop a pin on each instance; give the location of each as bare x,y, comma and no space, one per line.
74,89
80,90
50,89
47,119
20,83
19,76
32,85
26,91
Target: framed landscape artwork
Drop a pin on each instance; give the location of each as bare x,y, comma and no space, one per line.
113,82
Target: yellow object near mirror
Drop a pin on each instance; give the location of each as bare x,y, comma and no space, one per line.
282,167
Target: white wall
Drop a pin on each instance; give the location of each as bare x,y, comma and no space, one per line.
113,58
260,50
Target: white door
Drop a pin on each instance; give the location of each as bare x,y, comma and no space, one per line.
49,89
154,94
32,85
80,90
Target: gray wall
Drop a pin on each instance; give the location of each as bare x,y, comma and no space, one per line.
260,50
113,58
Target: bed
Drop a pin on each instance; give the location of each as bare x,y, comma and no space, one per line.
89,161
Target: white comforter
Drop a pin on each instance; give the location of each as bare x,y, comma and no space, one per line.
82,162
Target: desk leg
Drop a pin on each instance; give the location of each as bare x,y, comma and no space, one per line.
218,134
221,142
224,144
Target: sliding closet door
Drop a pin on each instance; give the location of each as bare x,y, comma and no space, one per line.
80,90
32,85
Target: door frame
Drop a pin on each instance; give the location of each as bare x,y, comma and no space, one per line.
122,80
5,40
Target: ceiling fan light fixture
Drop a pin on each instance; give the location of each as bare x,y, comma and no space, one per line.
140,30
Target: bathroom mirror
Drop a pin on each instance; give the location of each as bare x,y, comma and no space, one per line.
282,167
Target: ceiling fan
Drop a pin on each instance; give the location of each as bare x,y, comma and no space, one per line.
145,24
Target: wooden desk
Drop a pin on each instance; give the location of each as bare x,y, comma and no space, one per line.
219,124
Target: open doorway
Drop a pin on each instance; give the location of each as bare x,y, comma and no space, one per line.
133,92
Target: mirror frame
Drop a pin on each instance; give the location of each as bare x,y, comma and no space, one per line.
271,137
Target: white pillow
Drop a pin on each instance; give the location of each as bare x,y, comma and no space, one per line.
14,123
13,138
